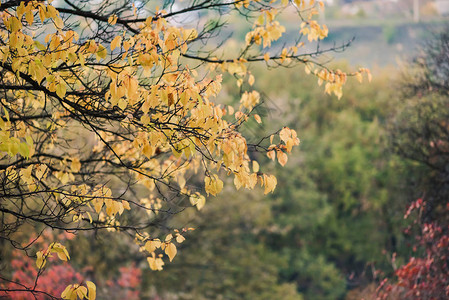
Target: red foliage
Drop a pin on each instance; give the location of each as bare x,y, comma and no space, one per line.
57,277
52,281
128,284
26,283
425,276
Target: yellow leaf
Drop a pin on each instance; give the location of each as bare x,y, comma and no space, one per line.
59,23
171,251
6,113
180,238
169,237
41,260
60,89
29,16
147,150
251,80
155,263
40,171
122,103
42,13
266,56
252,180
239,82
26,174
112,19
116,42
271,154
98,204
24,150
60,250
198,200
15,24
90,217
290,143
282,158
92,290
270,183
258,119
126,205
307,68
29,140
150,246
101,52
52,12
213,185
255,166
285,134
67,293
76,165
61,256
81,291
20,10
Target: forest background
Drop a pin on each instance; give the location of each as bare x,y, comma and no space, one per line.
335,226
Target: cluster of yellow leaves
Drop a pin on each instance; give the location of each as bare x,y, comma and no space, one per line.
213,185
57,248
102,197
289,138
29,56
13,144
310,27
314,31
265,30
229,147
197,200
168,247
250,100
75,291
359,74
334,79
96,198
178,90
31,175
72,291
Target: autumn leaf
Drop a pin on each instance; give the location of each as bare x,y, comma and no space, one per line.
171,251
